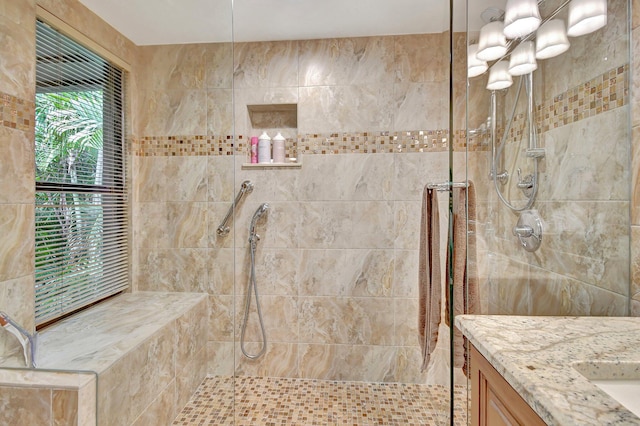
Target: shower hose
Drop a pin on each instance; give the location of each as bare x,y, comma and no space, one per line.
253,288
498,152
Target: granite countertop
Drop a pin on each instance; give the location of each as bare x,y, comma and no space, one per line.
541,358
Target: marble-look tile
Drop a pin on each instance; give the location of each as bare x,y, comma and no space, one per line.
346,362
154,364
413,171
265,64
220,271
220,112
583,159
278,271
170,225
554,294
589,241
243,97
347,225
23,406
186,179
279,228
173,112
635,174
635,75
634,292
65,407
354,321
406,322
221,318
420,106
407,224
280,360
16,161
220,358
188,380
219,66
346,61
150,179
274,184
422,58
114,406
16,251
191,335
508,287
18,48
635,19
635,308
323,109
280,318
222,184
169,67
162,410
356,273
347,177
172,270
405,273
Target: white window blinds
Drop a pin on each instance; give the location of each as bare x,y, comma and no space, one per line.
81,204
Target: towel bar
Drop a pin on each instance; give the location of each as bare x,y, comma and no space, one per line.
446,186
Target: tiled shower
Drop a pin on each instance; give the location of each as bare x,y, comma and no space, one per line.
337,260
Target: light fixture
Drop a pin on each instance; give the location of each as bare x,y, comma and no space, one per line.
551,39
523,59
521,17
499,77
586,16
493,43
475,66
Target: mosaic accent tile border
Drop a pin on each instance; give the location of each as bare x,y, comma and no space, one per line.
600,94
284,401
334,143
17,113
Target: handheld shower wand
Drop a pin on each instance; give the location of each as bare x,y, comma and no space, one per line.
253,286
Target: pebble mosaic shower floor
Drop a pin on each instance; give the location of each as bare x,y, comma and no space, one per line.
282,401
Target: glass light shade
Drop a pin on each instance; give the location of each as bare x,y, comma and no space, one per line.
523,59
493,43
475,66
521,17
586,16
551,39
499,77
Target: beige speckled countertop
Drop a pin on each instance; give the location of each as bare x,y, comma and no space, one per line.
540,358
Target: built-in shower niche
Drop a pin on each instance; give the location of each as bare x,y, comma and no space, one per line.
274,118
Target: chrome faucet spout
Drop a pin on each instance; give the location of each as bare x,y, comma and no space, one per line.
26,339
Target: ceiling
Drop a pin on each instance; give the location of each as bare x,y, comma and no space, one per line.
148,22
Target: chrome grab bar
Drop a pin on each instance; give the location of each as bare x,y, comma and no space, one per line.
245,188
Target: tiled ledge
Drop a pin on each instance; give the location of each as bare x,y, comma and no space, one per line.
146,348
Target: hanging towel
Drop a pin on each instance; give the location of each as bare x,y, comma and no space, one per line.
465,281
429,275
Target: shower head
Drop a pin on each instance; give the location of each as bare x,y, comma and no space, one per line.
262,209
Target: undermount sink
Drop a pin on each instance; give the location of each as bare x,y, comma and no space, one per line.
621,381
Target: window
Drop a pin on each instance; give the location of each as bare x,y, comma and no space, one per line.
81,204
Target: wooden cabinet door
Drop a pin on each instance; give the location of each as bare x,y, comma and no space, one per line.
493,401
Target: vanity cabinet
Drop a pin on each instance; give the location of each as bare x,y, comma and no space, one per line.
493,401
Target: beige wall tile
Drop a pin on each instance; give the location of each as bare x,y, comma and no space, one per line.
22,406
65,407
265,64
16,251
18,49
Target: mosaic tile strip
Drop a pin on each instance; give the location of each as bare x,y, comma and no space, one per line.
17,113
284,401
603,93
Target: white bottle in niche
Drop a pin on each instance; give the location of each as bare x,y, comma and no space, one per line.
264,148
278,149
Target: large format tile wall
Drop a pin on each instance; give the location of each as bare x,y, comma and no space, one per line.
582,266
337,260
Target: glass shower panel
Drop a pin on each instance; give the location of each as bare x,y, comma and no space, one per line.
554,198
333,260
